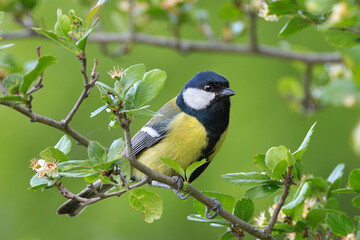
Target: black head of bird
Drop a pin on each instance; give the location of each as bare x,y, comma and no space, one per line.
207,97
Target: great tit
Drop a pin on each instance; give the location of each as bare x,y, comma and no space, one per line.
192,127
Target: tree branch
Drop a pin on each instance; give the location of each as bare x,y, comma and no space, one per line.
153,175
198,46
34,117
288,180
38,84
86,90
307,102
88,201
253,44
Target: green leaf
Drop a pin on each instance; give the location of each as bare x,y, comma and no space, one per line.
249,179
53,36
274,155
32,75
37,182
147,203
74,165
130,76
12,82
92,178
193,167
150,87
63,25
356,201
174,165
227,236
115,149
147,112
244,209
11,98
132,112
227,202
261,191
99,110
340,224
53,154
82,42
298,153
199,218
97,153
318,185
93,11
105,89
341,39
125,168
293,25
259,161
354,180
279,170
336,173
332,204
299,227
297,170
79,173
64,144
300,195
284,7
315,217
344,190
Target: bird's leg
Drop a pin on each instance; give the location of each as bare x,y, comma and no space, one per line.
179,183
217,208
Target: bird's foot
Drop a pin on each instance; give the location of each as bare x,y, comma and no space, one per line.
216,208
179,183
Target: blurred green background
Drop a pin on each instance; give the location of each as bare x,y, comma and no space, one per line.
260,119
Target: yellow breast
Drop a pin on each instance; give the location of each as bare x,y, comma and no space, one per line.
185,140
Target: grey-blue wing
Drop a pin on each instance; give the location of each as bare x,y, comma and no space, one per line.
155,130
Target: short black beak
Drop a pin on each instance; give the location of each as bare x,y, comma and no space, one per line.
227,92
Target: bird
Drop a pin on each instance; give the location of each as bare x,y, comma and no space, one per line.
190,127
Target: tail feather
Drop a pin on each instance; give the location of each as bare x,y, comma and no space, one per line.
73,208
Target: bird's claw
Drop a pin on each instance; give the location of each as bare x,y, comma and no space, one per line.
216,208
179,183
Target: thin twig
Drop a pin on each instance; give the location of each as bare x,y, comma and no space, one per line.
346,29
38,84
34,117
86,89
307,102
131,20
86,201
253,42
199,46
288,180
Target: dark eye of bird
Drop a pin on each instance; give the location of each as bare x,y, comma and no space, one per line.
207,88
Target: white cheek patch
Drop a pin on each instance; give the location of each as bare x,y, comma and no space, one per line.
197,98
152,132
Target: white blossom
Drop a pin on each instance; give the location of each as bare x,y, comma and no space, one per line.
260,221
265,13
338,11
281,216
